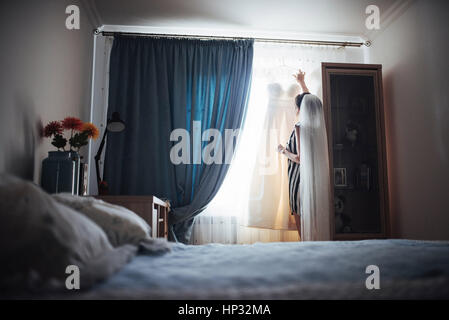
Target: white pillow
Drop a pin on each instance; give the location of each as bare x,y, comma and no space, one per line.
40,237
122,226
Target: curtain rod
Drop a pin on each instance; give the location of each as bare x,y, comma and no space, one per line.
179,36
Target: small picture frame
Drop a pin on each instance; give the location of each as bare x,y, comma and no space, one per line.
340,177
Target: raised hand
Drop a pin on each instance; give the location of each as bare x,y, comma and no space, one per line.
300,79
300,76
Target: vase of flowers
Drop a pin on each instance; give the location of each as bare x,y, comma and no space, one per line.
60,171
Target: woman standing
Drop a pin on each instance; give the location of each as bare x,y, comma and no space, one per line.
291,151
310,195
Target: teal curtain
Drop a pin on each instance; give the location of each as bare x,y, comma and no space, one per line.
159,85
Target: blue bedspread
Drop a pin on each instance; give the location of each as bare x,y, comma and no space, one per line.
309,270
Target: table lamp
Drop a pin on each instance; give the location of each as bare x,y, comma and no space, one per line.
115,124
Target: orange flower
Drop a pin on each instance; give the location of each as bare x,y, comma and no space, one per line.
52,128
91,130
72,123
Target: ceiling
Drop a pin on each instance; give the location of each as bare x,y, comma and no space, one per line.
332,17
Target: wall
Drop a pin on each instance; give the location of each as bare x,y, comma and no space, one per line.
414,52
45,75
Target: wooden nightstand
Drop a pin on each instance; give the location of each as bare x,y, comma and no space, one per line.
152,209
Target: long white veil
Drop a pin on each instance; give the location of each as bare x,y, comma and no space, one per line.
314,193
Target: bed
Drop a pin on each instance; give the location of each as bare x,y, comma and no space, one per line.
409,269
41,235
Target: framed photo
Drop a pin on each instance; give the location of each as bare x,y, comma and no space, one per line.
340,177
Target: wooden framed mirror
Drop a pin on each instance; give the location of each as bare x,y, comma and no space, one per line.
353,106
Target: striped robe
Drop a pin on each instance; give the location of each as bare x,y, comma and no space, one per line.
293,176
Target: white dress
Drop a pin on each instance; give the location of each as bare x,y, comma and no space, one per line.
269,191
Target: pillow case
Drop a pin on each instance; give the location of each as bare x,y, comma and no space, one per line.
122,226
40,237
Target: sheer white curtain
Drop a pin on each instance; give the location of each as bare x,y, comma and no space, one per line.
252,204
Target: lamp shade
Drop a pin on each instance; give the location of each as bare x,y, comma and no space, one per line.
115,124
